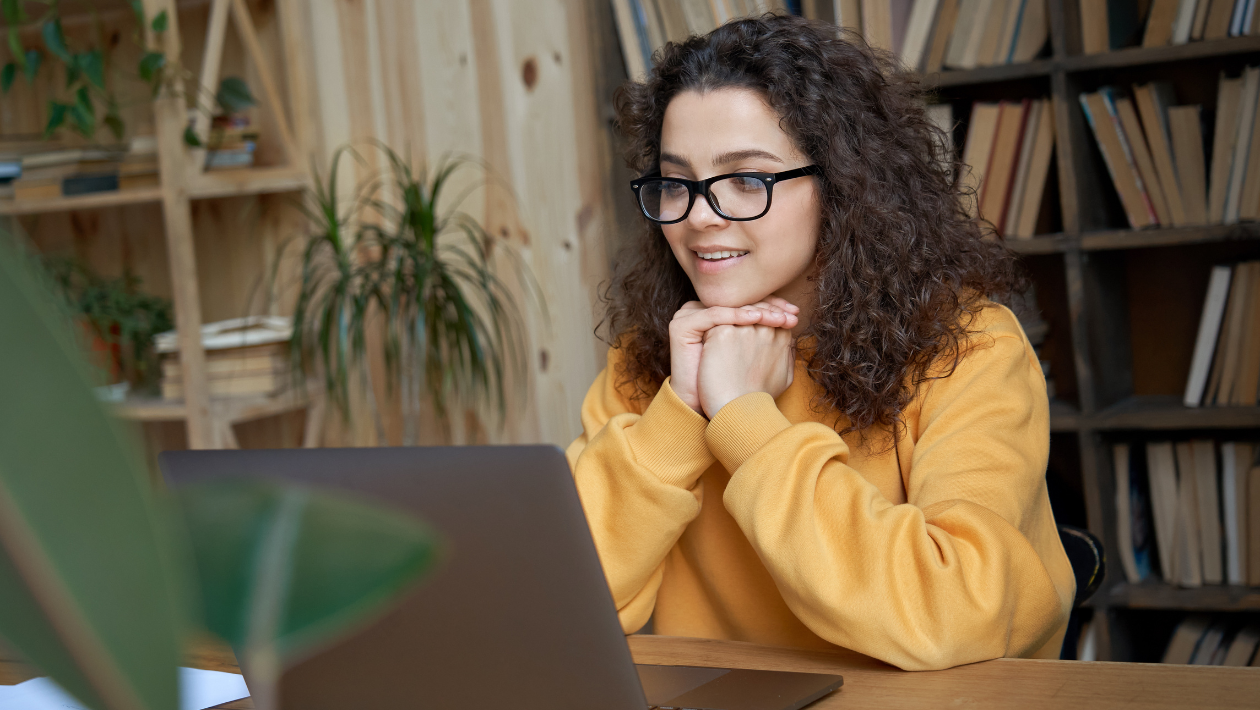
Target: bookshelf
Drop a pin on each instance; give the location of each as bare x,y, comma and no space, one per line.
175,209
1123,304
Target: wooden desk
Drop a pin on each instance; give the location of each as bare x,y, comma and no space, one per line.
1004,683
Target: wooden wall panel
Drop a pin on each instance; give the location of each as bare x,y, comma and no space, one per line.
495,80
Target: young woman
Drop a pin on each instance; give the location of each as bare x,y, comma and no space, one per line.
815,428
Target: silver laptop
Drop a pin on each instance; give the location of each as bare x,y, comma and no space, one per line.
518,614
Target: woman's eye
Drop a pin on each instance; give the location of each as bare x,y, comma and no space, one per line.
673,189
748,184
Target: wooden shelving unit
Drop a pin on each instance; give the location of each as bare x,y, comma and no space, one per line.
184,180
1106,289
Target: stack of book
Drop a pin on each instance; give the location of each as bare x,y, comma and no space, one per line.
1225,367
1188,512
965,34
646,25
58,171
1114,24
1008,151
231,143
1203,640
244,357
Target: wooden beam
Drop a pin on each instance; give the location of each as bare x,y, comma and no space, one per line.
170,117
211,59
245,28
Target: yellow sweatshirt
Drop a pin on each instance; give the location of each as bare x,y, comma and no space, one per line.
764,525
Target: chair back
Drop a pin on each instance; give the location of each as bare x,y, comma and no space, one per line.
1089,563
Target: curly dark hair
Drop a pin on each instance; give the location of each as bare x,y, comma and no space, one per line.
901,269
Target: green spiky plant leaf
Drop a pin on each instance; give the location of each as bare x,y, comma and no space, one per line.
89,582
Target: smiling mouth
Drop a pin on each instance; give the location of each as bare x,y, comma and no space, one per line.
719,255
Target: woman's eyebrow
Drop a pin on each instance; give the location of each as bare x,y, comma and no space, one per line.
751,153
675,159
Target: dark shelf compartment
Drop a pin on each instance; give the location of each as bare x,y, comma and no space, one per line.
1157,595
1140,56
1064,416
1167,412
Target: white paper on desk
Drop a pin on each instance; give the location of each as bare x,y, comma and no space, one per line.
198,690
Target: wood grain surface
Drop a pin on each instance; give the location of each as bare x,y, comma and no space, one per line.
868,683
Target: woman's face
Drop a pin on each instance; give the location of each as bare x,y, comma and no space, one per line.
731,131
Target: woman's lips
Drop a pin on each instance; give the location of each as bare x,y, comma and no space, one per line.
717,266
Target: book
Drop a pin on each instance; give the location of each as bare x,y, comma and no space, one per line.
1249,196
1219,16
877,23
1034,30
1161,469
1095,35
1133,520
849,14
1236,458
1027,145
1231,339
1189,558
1209,512
1243,647
699,16
978,149
1236,27
1185,639
1247,97
1152,100
998,178
1142,158
915,46
899,22
1209,330
1253,526
1208,645
1038,172
1224,135
1124,515
1187,142
267,384
942,116
1248,380
983,40
1159,22
1185,21
1102,119
1002,13
1200,19
942,32
960,34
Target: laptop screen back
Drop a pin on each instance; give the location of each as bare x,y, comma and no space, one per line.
517,614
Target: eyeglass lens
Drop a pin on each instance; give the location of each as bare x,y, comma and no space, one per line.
736,197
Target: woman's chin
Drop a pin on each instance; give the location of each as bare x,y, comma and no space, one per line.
728,299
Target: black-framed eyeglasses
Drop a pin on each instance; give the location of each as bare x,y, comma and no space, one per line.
739,197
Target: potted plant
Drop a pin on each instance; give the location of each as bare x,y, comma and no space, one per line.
118,319
400,249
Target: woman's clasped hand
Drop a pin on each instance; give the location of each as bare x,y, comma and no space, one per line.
719,354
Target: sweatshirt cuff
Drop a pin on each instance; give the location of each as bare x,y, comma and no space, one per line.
669,439
742,427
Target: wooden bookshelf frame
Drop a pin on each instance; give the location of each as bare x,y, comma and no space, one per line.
183,180
1106,409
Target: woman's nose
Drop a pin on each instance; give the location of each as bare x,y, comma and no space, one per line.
703,215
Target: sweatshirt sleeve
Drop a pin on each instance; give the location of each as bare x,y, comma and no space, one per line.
947,578
638,478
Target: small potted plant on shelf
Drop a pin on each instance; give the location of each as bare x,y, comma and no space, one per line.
400,249
118,321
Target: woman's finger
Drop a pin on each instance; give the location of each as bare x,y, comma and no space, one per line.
782,303
693,325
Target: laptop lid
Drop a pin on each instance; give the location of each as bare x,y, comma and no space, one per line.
518,613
